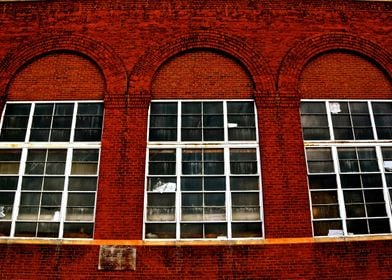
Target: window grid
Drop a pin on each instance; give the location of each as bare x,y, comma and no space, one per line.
196,198
351,196
55,191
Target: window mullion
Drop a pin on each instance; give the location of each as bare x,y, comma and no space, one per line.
18,192
29,123
342,208
179,122
329,118
228,205
387,198
73,123
178,200
372,121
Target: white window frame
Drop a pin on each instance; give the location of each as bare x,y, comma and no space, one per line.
69,147
178,145
334,145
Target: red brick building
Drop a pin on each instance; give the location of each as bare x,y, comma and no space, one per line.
195,139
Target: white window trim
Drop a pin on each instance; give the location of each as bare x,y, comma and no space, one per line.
70,147
334,145
178,145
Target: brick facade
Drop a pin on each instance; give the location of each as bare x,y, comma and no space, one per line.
130,52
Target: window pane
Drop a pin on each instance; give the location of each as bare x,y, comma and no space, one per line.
246,230
78,230
319,160
163,121
322,228
243,161
15,122
160,231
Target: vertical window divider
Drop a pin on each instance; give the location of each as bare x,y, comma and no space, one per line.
342,208
73,124
18,192
387,198
372,121
29,124
228,205
329,118
178,199
225,123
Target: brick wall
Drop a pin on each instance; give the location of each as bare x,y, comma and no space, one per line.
129,52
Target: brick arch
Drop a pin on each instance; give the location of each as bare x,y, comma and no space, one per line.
143,73
295,61
109,63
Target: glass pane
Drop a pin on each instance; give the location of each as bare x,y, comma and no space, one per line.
322,228
353,197
6,205
54,183
191,121
25,229
157,199
313,107
84,168
379,226
357,227
324,197
81,199
214,199
82,184
212,108
325,211
194,199
28,213
49,214
322,181
214,183
52,199
213,121
316,134
78,230
48,230
5,228
160,231
55,168
245,199
30,198
191,183
191,214
164,184
246,230
162,134
191,108
213,134
357,210
350,180
191,134
319,160
245,213
32,183
371,180
376,210
215,230
161,214
192,231
90,109
214,214
10,155
15,122
8,182
80,213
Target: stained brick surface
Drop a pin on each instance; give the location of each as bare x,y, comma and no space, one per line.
129,52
